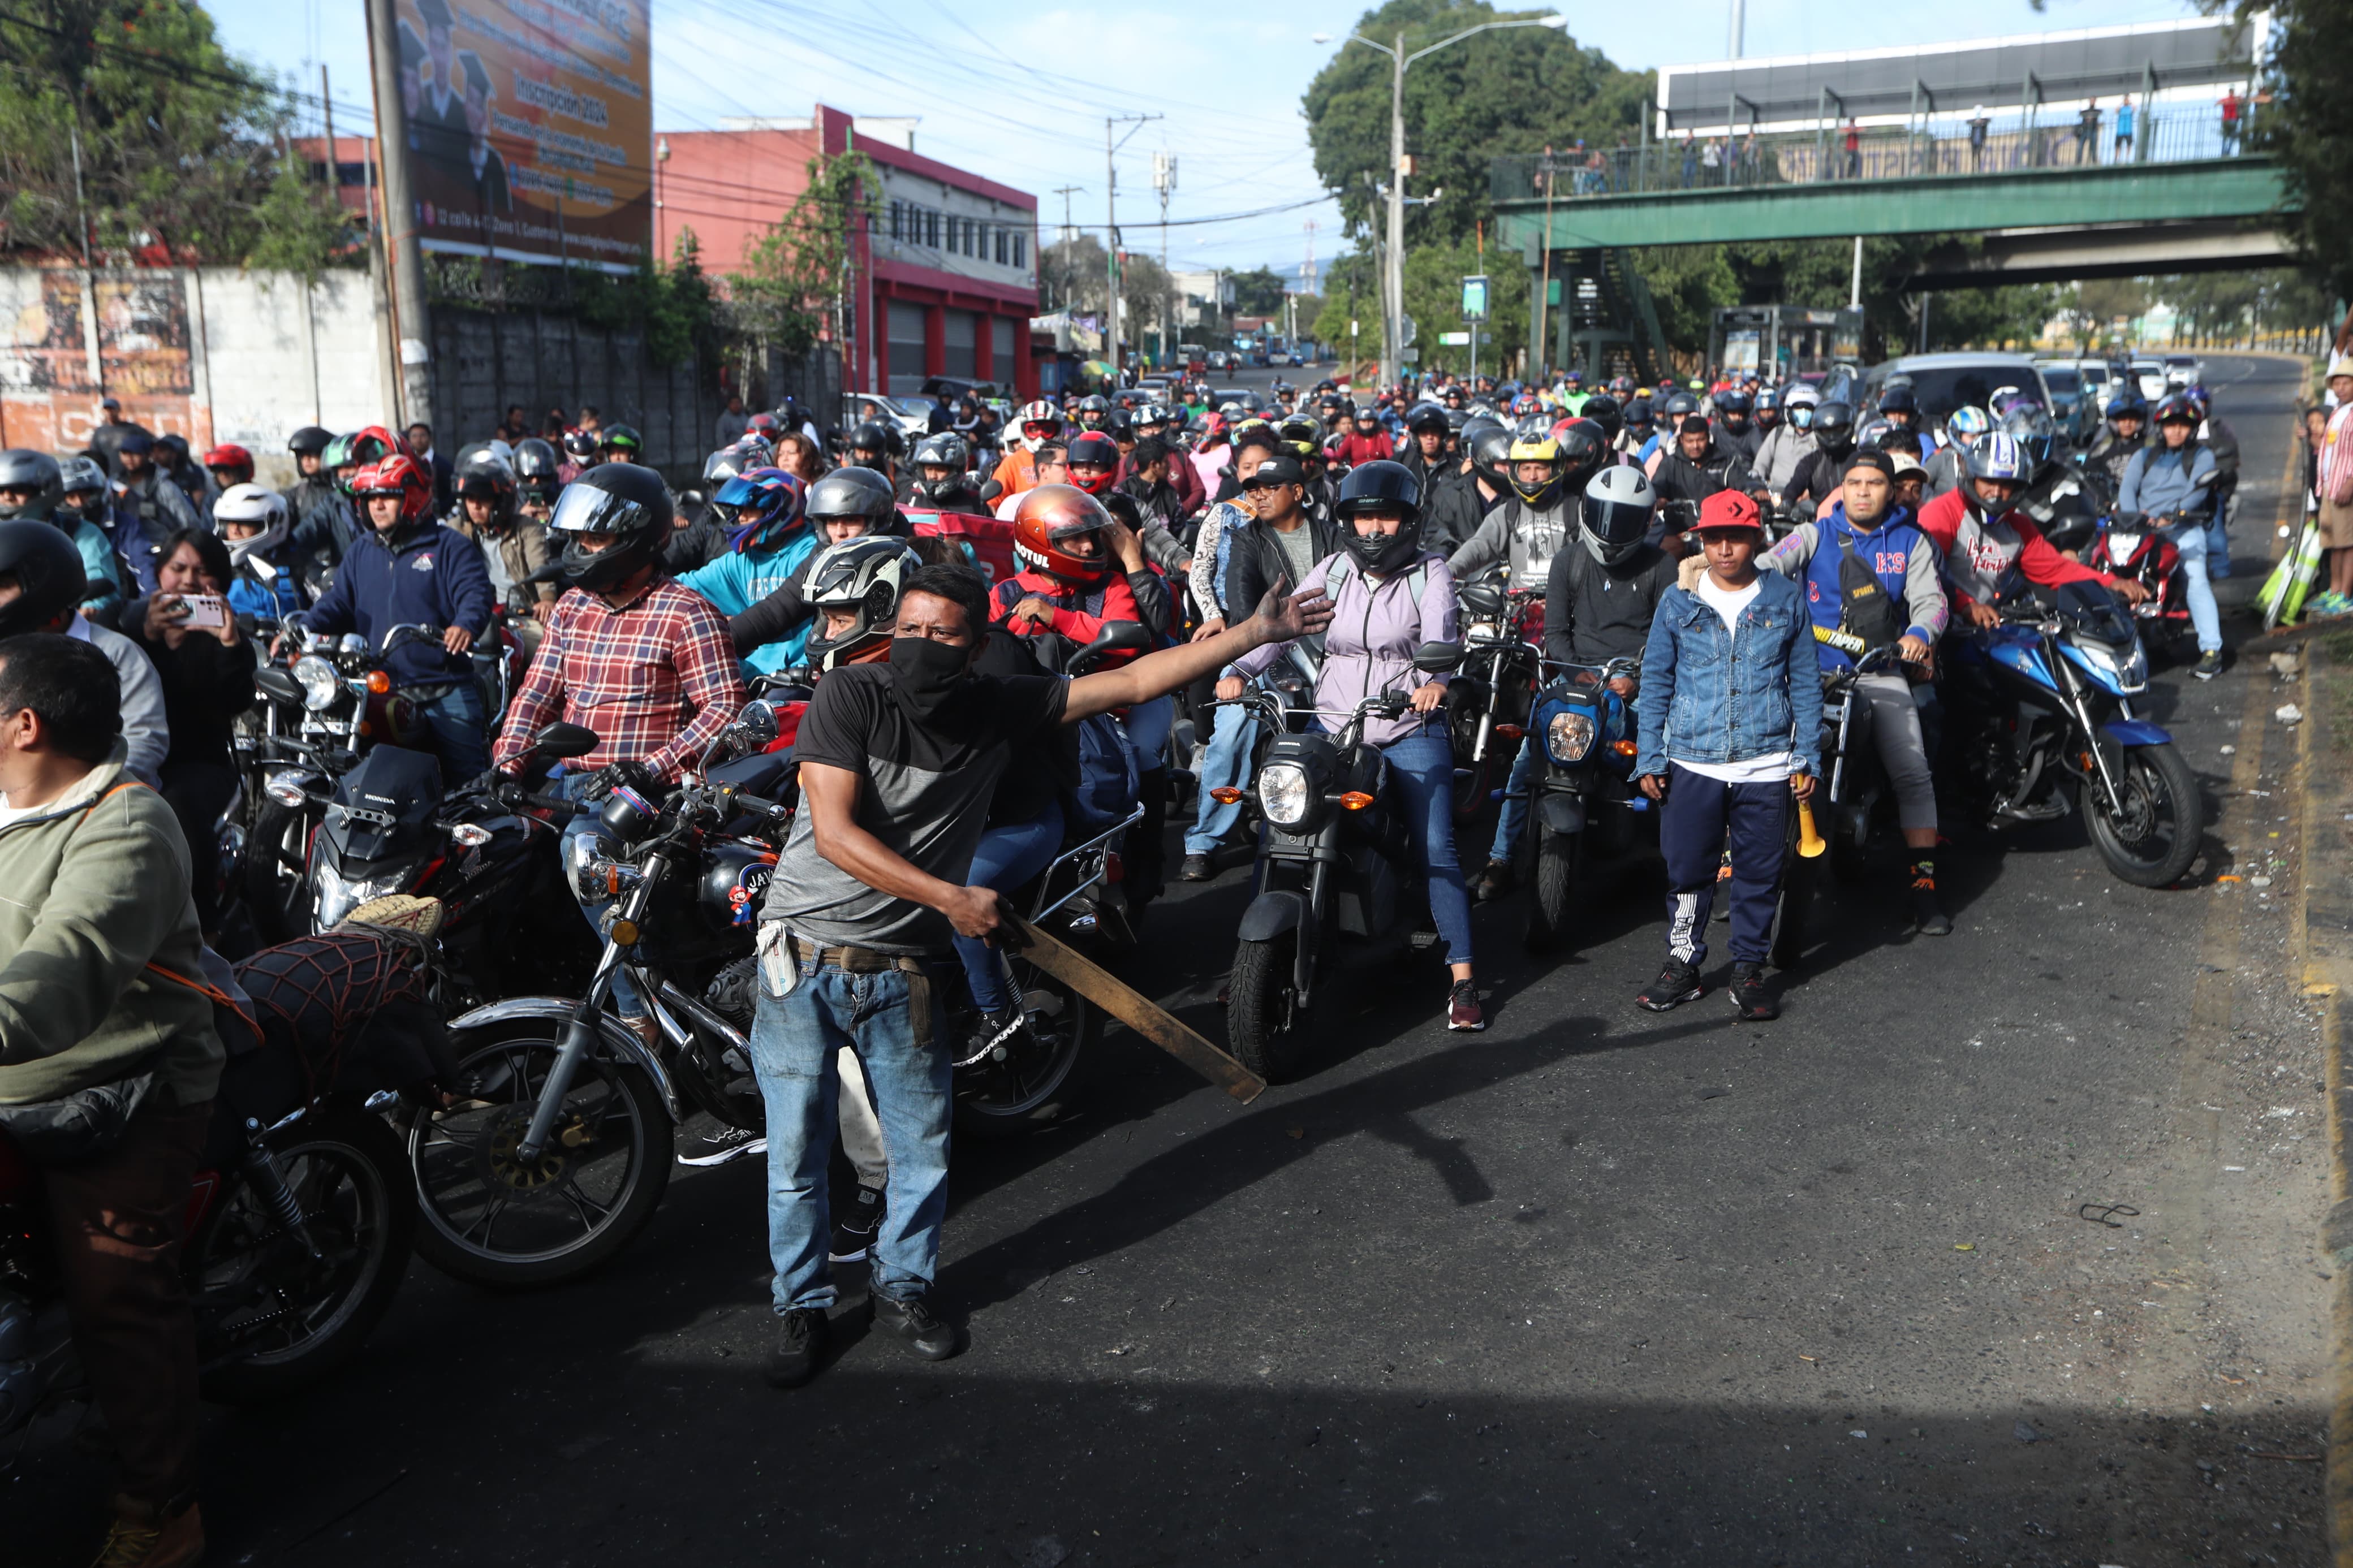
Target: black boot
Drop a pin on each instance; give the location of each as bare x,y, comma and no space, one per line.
1927,913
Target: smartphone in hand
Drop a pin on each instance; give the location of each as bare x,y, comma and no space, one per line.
208,610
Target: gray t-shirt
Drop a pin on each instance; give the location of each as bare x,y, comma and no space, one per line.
926,795
1298,548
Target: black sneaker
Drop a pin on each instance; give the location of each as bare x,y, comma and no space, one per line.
2208,665
991,1034
913,1321
1677,983
1196,868
1494,882
720,1145
1462,1009
1749,998
1927,913
853,1233
800,1344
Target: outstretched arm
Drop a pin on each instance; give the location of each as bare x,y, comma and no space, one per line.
1282,616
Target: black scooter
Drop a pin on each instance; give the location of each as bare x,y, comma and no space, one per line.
1334,862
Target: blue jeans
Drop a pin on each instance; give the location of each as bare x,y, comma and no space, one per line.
1007,857
1147,725
2218,541
1422,772
2189,538
584,825
892,1020
1514,820
1693,824
1226,762
457,722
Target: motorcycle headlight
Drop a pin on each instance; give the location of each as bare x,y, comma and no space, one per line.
337,897
1283,793
318,679
1570,735
2128,668
593,875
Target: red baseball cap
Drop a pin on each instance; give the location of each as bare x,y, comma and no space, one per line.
1729,509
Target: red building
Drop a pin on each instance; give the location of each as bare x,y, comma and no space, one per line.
943,284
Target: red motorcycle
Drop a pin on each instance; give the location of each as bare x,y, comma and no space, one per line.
2133,545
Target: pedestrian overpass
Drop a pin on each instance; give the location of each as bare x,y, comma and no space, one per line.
2104,152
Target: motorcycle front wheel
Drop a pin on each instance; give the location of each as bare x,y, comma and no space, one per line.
2152,835
275,879
1551,886
1268,1029
489,1219
1033,1085
272,1316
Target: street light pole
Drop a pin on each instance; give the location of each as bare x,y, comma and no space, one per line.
1393,271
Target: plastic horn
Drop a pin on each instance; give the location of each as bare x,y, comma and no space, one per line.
1810,842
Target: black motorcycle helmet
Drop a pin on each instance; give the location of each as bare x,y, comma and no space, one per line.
1582,451
1491,455
535,465
1380,486
852,491
1898,399
1679,405
1833,427
627,499
48,574
945,450
1638,416
481,474
1602,409
308,441
1731,408
1428,417
36,477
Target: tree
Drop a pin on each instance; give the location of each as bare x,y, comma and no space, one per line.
1145,291
793,276
2308,127
182,145
1074,275
1433,297
1515,91
1257,292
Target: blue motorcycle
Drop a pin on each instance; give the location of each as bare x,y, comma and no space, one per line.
2047,697
1584,802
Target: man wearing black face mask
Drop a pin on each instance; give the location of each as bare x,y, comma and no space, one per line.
898,763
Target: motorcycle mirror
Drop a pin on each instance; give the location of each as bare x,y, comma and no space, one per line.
563,741
1120,636
757,723
1438,658
277,686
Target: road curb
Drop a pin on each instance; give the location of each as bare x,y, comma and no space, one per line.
2325,955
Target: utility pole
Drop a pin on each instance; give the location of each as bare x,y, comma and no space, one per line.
1070,229
327,108
1164,181
1739,25
411,327
1393,271
1111,229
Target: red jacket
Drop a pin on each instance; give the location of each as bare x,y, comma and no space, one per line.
1360,448
1112,599
1941,519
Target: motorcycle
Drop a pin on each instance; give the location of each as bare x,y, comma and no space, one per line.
556,1150
317,715
1852,784
2131,544
1489,701
1584,802
2052,690
2065,504
298,1225
1334,862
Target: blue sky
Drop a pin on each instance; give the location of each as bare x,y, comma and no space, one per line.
1021,97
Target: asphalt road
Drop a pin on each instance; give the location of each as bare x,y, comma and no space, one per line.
1595,1286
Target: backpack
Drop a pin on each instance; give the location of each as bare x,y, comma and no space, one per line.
1344,567
1110,779
1867,611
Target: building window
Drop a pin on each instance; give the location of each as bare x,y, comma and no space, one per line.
1001,366
906,329
931,229
1021,249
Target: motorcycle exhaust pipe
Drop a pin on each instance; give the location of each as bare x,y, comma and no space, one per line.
1811,845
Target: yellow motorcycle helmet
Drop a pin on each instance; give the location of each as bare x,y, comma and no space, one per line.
1534,443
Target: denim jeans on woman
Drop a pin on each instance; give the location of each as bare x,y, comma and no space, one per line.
890,1020
1421,779
584,825
2189,538
1008,856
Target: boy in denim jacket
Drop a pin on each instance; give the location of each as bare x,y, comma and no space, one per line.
1731,733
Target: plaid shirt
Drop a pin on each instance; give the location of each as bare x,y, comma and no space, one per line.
656,679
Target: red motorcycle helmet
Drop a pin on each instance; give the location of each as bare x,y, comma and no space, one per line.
1095,449
396,474
233,458
1049,519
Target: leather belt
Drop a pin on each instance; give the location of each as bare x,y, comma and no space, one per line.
853,960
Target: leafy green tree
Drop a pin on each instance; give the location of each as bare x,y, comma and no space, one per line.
1514,90
2308,127
792,275
1257,292
182,143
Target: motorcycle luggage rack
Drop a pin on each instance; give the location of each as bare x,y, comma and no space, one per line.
1077,849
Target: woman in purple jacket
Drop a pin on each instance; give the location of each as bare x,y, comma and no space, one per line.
1388,596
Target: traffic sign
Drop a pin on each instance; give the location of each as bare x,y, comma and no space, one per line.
1408,329
1454,340
1474,297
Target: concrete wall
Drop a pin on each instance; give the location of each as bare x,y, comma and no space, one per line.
484,361
211,353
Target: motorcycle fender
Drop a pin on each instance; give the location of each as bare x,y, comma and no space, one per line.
2135,733
609,1030
1562,814
1271,913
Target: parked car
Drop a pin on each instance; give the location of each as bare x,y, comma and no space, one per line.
2184,370
2149,373
2076,412
913,414
1944,382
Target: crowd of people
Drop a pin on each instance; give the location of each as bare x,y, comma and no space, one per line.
1703,536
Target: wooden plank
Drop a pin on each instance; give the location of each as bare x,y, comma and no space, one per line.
1131,1007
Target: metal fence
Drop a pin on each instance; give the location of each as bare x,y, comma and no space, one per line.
1945,146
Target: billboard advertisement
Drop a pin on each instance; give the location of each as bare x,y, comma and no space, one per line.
531,127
